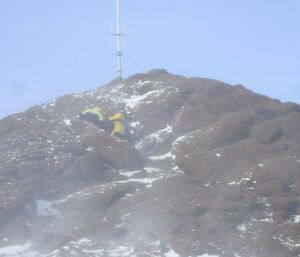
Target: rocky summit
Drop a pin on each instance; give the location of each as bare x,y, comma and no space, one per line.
214,171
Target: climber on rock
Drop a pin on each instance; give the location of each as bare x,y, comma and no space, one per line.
120,126
116,124
96,116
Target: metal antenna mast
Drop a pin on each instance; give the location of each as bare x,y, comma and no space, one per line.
118,35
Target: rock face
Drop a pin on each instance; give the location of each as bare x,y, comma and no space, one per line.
214,171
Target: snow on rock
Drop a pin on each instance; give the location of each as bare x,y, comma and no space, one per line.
46,208
155,174
295,219
147,181
171,253
206,255
163,156
157,136
17,251
121,251
68,123
135,124
134,99
242,227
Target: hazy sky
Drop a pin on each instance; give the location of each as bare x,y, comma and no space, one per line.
53,47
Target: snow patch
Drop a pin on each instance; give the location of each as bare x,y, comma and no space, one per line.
287,242
90,149
45,208
157,136
129,173
171,253
242,227
180,139
295,219
120,225
16,250
135,124
125,215
206,255
99,252
123,251
148,181
168,155
232,183
247,178
68,123
135,100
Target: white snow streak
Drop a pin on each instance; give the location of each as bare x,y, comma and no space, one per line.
16,250
171,253
168,155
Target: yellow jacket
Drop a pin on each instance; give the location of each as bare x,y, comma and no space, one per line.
118,128
117,116
97,111
118,124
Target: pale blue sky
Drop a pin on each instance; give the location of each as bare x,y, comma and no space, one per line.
54,47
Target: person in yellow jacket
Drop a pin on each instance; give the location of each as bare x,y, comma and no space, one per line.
120,127
116,124
96,116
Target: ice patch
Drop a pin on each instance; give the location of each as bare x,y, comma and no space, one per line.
261,165
45,208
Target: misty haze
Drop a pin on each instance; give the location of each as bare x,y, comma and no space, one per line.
103,155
